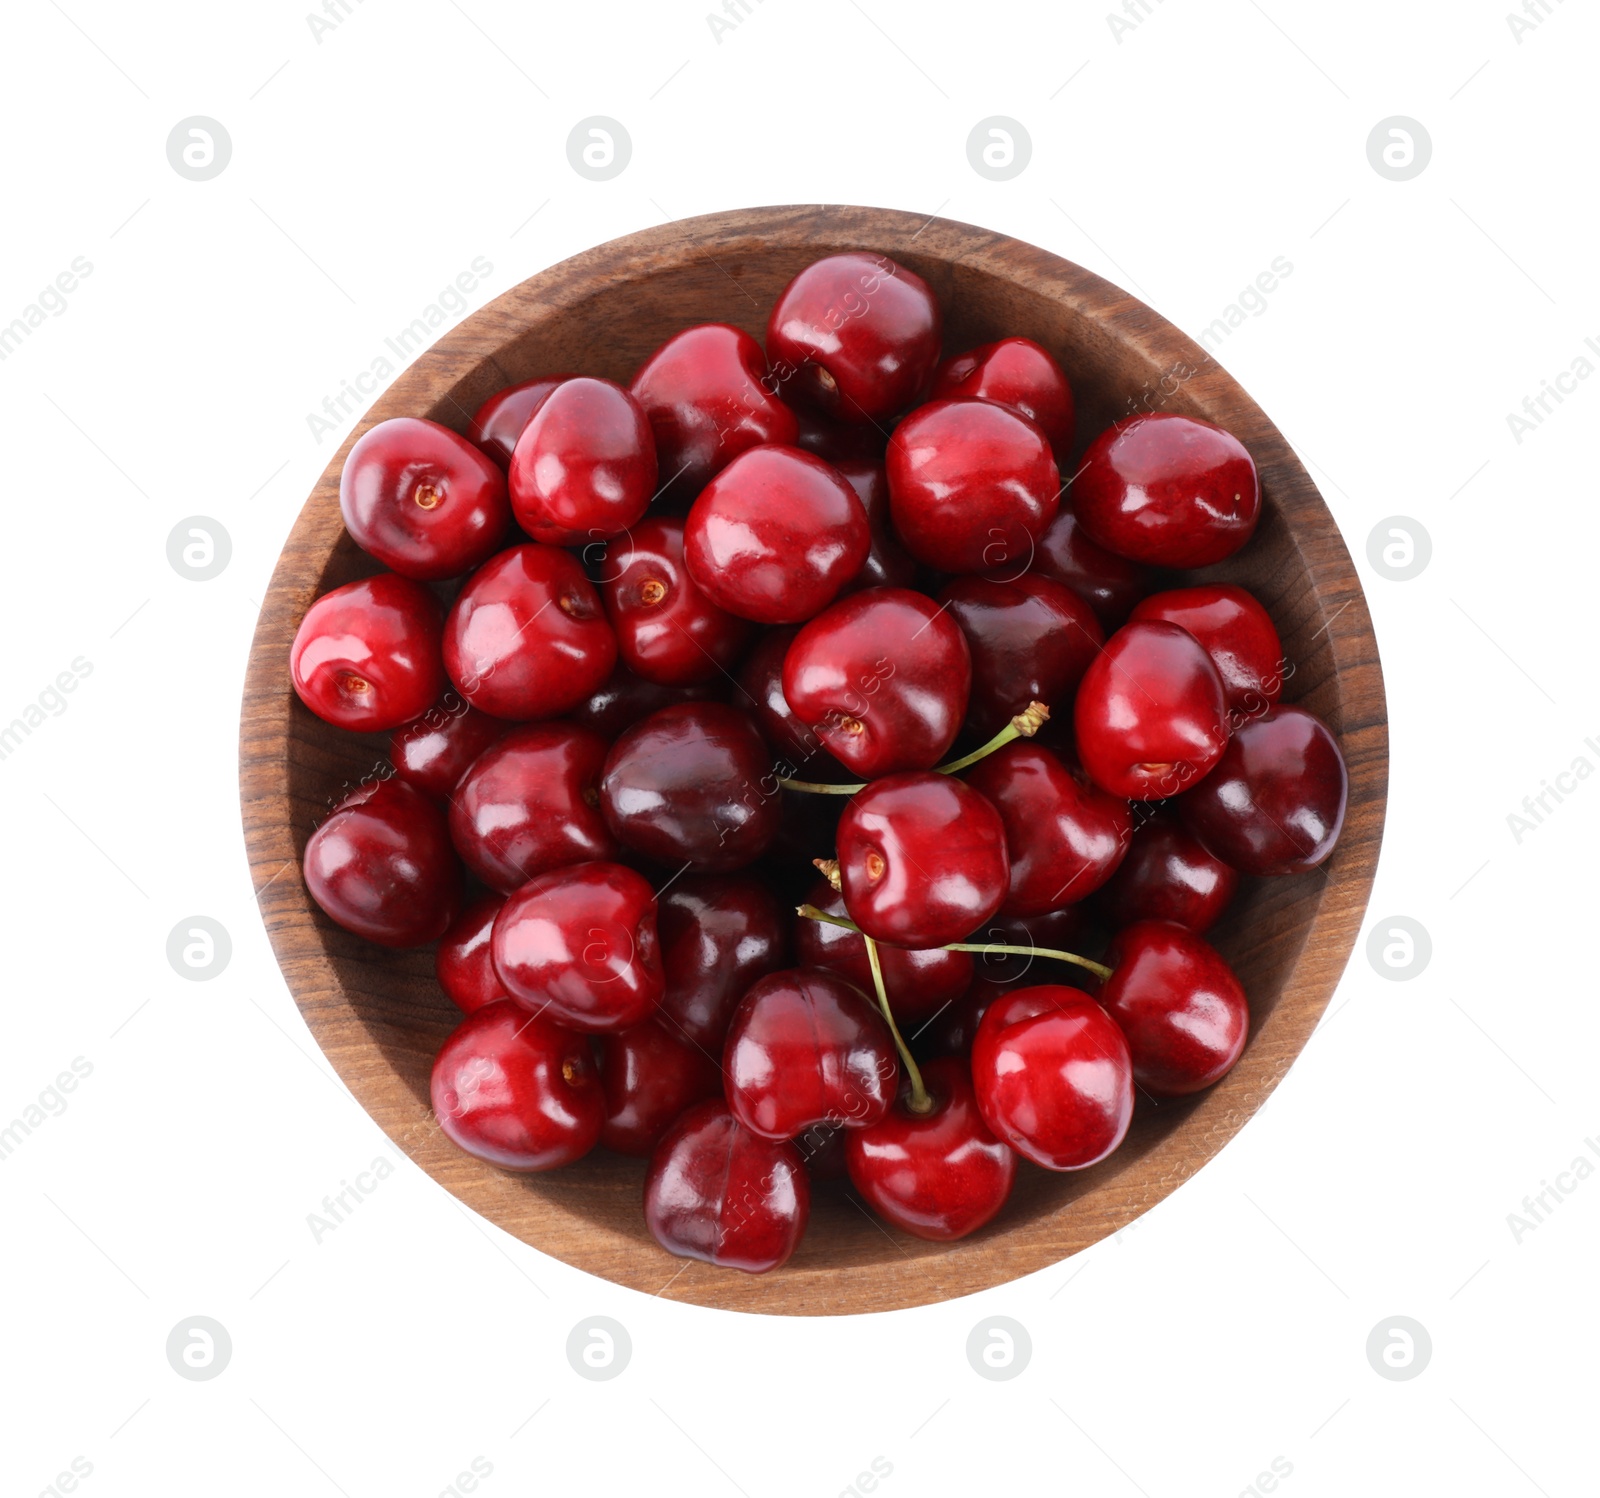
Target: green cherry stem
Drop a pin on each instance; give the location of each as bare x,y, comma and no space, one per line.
919,1101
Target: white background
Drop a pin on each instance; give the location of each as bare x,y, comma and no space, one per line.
1225,1329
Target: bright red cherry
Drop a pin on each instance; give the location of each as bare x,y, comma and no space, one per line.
624,699
883,677
1014,372
888,564
939,1174
500,420
381,866
366,656
1178,1004
922,858
423,500
708,397
667,629
807,1047
530,804
1151,716
1031,641
1053,1076
436,750
464,961
1275,802
1109,584
584,467
972,487
775,536
527,637
717,1192
1064,835
855,337
719,934
1168,490
650,1075
513,1089
1167,875
1238,635
579,946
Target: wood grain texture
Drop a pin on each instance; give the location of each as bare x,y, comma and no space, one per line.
379,1016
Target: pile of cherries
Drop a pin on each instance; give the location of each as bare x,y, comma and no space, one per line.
654,657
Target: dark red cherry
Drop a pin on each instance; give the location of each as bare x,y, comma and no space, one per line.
1151,716
855,337
513,1089
527,637
822,1148
883,679
624,699
922,858
717,1192
692,784
761,692
972,487
1109,584
775,536
1178,1004
1167,490
836,443
381,866
888,564
919,984
1064,835
1238,635
707,396
1014,372
807,1047
719,934
531,804
1167,875
423,500
939,1174
579,946
500,420
952,1031
366,656
667,629
1275,802
436,750
584,467
1068,929
650,1075
1031,641
1053,1076
463,960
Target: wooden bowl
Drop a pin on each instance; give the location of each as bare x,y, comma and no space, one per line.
380,1016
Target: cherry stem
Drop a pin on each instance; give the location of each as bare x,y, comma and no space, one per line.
919,1102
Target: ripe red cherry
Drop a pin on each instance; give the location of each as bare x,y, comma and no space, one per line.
775,536
436,750
366,656
1168,490
500,420
464,961
719,934
1053,1076
938,1175
584,467
650,1075
972,486
531,804
1068,929
888,564
692,784
1014,372
806,1047
717,1192
422,500
1275,802
381,866
1150,716
883,678
667,629
919,984
761,692
579,946
1238,635
1109,584
527,636
953,1030
1178,1004
922,858
624,699
1064,835
513,1089
855,337
1031,641
706,394
1167,875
